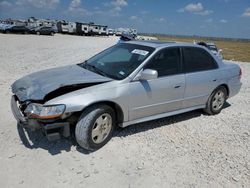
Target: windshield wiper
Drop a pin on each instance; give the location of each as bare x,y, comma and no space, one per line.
93,68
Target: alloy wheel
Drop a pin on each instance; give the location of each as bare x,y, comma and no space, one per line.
101,128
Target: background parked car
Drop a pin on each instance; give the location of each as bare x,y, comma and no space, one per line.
212,47
43,30
126,37
3,26
17,29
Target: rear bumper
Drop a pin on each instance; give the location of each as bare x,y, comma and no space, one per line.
53,131
234,89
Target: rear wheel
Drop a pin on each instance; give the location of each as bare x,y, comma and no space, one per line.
95,127
216,101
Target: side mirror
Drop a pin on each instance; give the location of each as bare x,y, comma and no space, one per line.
148,74
220,50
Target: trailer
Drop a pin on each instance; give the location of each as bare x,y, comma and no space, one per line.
66,27
120,31
95,29
104,30
16,22
111,31
36,22
82,28
133,31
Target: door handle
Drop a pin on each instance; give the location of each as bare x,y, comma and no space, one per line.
214,80
178,86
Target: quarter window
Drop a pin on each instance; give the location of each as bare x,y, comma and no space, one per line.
197,59
166,62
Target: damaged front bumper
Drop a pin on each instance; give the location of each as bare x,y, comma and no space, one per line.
53,131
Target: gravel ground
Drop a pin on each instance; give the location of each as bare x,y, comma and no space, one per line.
187,150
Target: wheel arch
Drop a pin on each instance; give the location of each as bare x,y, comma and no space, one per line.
116,107
226,87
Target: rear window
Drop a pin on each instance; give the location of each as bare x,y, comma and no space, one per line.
197,59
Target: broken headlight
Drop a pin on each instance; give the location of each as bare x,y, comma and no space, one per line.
35,110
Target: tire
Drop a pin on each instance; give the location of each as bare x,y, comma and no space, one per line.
95,127
216,101
38,33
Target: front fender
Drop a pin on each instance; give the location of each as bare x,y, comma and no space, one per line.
78,100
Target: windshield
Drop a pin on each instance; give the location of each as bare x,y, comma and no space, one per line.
118,61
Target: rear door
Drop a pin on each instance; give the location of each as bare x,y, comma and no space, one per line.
202,76
161,95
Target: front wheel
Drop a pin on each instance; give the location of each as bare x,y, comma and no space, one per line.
95,127
216,101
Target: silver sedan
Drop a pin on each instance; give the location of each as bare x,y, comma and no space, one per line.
126,84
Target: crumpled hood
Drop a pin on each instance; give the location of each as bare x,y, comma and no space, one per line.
37,85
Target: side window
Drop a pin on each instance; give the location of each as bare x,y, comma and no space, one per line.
197,59
166,62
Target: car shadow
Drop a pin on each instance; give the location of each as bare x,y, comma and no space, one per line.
36,139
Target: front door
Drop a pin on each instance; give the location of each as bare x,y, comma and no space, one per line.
161,95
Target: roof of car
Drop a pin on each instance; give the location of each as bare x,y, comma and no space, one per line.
159,44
